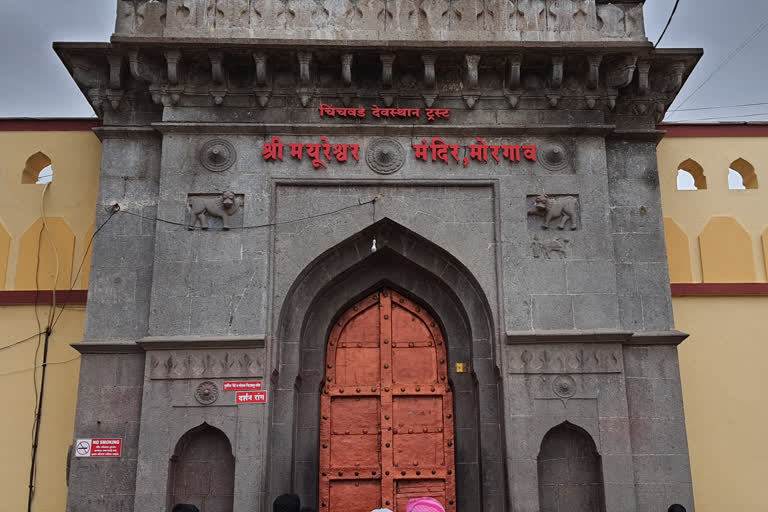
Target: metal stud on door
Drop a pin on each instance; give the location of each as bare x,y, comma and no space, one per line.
386,428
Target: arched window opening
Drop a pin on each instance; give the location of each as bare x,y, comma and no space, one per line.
690,176
37,170
202,471
570,473
741,175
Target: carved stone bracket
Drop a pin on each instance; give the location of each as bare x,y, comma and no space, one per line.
515,63
115,71
305,59
473,62
620,71
260,60
387,59
217,67
173,59
558,63
429,70
305,78
593,77
346,69
165,73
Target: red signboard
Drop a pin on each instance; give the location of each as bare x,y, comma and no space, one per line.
247,397
253,385
98,447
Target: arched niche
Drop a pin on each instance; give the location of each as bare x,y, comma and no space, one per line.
202,471
333,282
569,471
678,252
726,252
38,254
33,167
747,173
696,171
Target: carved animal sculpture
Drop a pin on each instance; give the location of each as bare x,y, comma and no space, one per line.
223,206
552,208
547,247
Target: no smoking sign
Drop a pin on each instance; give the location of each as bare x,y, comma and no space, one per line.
98,447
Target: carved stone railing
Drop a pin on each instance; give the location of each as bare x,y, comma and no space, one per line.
377,20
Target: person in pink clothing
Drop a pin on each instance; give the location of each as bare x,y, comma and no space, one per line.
424,505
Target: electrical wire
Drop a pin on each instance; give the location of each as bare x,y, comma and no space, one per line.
760,114
39,398
716,108
82,262
21,370
728,59
22,341
174,223
671,15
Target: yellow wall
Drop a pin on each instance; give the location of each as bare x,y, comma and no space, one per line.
58,419
70,210
722,369
714,236
75,157
692,210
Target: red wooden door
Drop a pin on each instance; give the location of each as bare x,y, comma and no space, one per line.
386,426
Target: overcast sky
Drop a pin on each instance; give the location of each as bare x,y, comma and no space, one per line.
33,83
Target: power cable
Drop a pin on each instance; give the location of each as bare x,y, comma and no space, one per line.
48,331
728,59
720,117
325,214
718,107
22,341
112,213
11,372
671,15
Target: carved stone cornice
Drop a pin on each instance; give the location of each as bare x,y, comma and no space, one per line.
596,336
634,81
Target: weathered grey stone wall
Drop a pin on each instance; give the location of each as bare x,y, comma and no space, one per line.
657,428
111,385
123,253
376,20
638,236
108,406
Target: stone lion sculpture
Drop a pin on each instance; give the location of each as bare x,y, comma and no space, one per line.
564,208
223,206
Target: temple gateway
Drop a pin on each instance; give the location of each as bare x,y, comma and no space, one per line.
370,250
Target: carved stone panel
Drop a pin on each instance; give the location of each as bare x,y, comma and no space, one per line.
577,358
204,364
548,248
547,212
215,211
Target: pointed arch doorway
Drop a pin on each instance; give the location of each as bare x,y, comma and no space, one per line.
386,426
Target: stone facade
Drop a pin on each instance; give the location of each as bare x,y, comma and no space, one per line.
567,329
